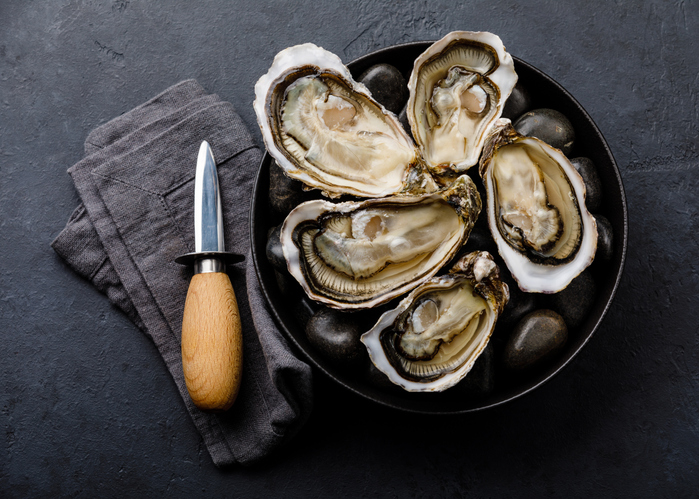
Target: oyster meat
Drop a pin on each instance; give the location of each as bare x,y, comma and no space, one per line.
324,129
360,254
458,90
434,336
536,210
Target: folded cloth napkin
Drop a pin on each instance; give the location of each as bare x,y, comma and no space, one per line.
136,184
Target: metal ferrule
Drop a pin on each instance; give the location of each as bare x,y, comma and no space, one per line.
208,265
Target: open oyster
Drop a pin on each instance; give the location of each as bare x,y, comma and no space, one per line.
324,129
434,336
458,89
360,254
536,210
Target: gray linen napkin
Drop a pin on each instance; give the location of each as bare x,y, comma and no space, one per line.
136,183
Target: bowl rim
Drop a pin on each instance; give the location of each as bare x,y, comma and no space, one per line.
266,158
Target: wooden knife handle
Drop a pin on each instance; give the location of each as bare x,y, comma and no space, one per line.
212,342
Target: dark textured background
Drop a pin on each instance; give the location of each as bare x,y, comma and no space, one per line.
86,405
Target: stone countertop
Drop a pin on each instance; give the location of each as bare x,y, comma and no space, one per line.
87,406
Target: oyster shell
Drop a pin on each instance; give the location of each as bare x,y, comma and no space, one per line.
458,90
433,338
536,210
360,254
324,129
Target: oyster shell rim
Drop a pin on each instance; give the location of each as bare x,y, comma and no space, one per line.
531,276
488,286
497,76
460,205
320,61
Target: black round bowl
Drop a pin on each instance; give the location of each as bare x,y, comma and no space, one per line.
545,92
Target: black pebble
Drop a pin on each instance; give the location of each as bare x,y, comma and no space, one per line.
285,193
593,186
517,103
275,254
575,301
482,220
537,338
550,126
304,309
387,86
286,284
605,239
335,335
480,240
520,303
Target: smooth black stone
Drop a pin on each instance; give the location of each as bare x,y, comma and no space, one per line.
387,86
304,309
335,335
537,338
403,118
275,254
480,240
482,220
520,303
550,126
480,380
285,193
575,301
286,284
605,239
593,185
517,103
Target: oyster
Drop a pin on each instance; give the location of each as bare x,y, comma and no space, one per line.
434,336
360,254
458,90
324,129
536,210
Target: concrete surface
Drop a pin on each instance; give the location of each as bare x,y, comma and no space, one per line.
88,409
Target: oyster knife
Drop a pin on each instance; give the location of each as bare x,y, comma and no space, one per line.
212,345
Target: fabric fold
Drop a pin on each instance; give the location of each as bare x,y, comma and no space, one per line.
137,189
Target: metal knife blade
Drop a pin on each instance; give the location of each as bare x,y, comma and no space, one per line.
208,216
212,344
209,244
